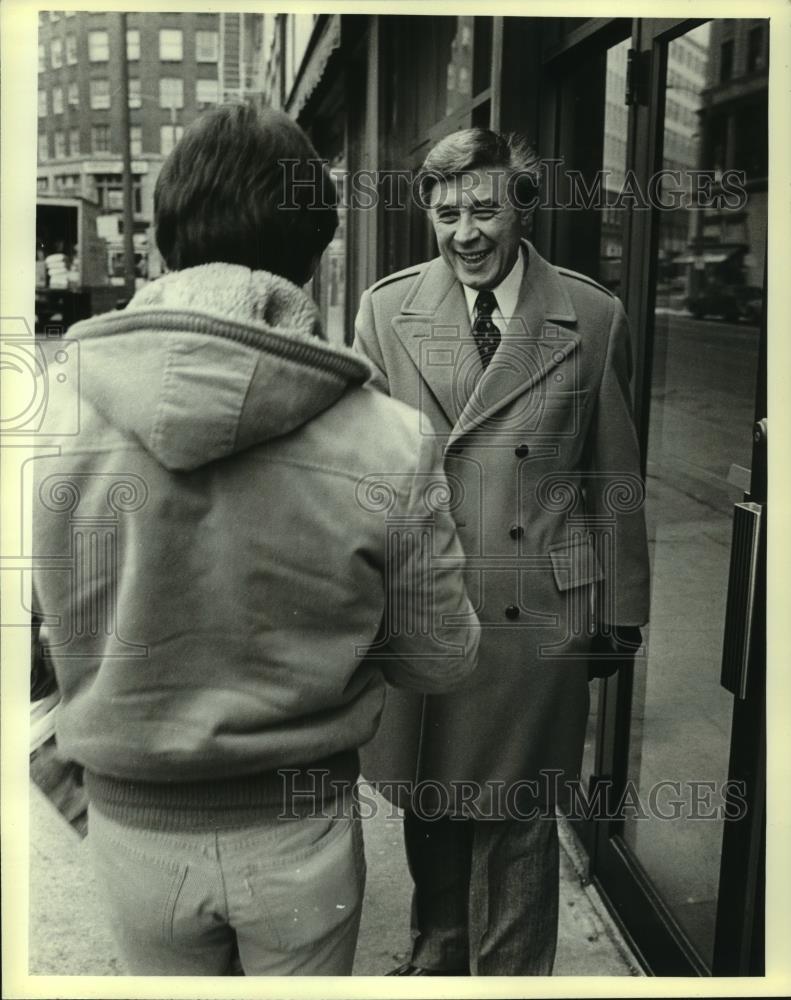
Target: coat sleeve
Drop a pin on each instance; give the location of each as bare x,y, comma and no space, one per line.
430,633
367,343
615,491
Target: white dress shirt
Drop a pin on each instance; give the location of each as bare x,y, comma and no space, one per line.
506,293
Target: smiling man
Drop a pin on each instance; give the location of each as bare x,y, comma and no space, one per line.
521,369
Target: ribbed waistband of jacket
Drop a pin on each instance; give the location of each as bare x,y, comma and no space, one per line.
318,789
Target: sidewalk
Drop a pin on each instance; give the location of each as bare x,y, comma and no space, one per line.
69,937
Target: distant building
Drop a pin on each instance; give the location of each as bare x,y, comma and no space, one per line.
734,127
179,65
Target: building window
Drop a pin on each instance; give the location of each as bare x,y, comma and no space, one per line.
207,46
98,46
169,135
71,49
42,183
42,104
110,192
756,60
207,92
60,145
56,53
136,140
42,58
170,44
43,146
100,139
171,92
57,100
726,61
100,94
67,183
74,141
133,44
73,95
135,97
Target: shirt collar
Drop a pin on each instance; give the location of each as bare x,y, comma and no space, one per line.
506,293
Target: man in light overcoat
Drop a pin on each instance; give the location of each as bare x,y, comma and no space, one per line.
522,370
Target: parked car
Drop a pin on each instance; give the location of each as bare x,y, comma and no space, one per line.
731,302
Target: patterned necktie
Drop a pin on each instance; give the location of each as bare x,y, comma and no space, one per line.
486,334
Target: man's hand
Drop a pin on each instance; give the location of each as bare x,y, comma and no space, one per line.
613,649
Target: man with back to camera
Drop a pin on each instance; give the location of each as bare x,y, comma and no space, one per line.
215,563
523,370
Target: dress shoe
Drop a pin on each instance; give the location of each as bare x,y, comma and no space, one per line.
407,969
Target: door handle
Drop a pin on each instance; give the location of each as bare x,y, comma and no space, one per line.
740,606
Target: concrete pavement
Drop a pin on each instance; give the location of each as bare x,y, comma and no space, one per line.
68,935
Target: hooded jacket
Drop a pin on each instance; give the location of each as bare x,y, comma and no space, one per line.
219,540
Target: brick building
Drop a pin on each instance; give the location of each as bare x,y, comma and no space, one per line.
179,65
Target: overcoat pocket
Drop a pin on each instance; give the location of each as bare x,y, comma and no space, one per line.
575,564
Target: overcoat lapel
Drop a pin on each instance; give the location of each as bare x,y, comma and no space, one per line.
532,347
434,326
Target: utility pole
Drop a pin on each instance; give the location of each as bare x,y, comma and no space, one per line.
126,158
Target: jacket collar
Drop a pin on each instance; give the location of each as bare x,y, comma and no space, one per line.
434,326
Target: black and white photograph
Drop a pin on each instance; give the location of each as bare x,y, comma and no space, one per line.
391,586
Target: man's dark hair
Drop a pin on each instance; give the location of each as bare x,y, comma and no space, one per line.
245,186
476,148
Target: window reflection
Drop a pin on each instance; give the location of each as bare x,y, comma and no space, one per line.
459,75
705,353
614,166
332,269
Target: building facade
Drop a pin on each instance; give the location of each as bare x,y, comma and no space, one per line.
653,137
178,65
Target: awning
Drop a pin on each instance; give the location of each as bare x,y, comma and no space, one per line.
313,69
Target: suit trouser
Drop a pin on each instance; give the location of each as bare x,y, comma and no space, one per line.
486,894
281,898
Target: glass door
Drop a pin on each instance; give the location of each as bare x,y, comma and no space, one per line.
673,114
589,138
697,293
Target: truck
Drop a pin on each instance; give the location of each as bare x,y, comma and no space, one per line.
72,275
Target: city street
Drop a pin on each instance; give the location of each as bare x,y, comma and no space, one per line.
703,391
175,152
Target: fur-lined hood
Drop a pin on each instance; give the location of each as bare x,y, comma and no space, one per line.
211,360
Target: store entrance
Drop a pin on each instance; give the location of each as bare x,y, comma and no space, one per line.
682,732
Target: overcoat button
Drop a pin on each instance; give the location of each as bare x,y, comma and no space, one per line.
516,531
522,451
512,611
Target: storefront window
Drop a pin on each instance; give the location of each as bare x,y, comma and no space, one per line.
611,220
332,270
458,85
613,165
445,72
708,295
